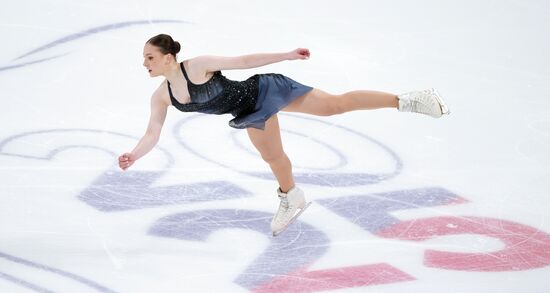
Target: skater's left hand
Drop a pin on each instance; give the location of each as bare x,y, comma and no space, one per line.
300,53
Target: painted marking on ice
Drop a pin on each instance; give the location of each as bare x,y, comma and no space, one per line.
335,278
526,247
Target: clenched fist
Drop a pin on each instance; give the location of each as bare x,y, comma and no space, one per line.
300,53
126,160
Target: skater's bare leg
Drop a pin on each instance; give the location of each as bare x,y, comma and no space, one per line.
318,102
292,199
268,143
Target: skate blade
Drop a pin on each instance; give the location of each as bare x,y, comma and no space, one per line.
444,108
275,233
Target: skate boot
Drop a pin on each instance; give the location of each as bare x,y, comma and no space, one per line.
291,201
427,102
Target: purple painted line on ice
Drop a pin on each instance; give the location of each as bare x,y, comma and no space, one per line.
23,283
29,63
75,36
95,30
55,151
68,275
342,160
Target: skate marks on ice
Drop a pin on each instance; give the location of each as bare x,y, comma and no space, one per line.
286,263
106,194
114,190
371,212
19,61
525,248
283,265
111,191
334,165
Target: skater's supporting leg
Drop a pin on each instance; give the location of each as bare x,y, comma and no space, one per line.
292,200
268,143
318,102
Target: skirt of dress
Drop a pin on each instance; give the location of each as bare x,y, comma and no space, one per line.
275,91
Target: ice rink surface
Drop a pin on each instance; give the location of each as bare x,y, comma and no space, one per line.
401,202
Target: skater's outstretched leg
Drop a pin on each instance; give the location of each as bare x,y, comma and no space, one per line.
320,103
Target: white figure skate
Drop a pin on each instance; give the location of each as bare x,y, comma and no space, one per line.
427,102
291,201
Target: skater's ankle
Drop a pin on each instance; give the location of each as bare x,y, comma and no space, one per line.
285,190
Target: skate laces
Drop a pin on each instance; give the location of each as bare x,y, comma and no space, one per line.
284,211
284,202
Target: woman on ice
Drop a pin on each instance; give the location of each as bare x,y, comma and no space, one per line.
197,85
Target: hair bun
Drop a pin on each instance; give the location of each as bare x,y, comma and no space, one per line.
176,48
165,43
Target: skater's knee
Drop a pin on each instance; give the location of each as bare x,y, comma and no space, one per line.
274,158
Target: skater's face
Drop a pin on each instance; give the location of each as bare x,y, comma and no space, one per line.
154,61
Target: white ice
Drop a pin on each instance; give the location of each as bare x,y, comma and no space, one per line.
389,189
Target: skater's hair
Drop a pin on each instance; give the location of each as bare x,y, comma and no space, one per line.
165,43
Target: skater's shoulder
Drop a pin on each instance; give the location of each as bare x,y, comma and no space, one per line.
161,95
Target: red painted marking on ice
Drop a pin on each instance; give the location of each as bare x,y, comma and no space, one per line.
338,278
526,247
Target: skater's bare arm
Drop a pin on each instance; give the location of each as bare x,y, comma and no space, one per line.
159,109
215,63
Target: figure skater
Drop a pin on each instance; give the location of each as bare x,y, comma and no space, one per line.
197,85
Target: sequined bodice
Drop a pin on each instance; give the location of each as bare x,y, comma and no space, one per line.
219,95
